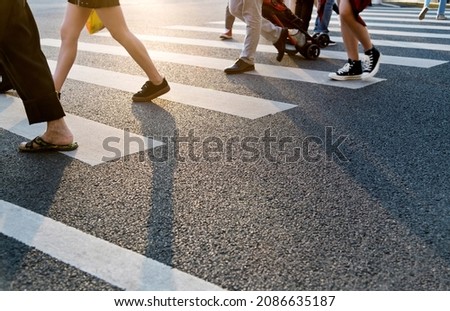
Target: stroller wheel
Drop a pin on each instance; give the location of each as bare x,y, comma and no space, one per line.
323,40
313,51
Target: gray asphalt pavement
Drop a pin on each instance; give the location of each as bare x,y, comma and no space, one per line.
348,190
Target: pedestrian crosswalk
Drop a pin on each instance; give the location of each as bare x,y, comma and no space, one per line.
234,104
125,269
335,29
410,43
12,118
273,71
388,59
399,28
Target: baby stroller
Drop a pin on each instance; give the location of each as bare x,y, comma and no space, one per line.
300,41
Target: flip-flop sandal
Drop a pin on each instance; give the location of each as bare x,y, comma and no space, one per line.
39,145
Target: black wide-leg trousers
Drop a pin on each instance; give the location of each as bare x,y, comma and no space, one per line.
25,64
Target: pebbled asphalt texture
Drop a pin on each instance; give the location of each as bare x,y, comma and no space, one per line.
364,204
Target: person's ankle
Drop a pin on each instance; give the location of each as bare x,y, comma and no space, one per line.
158,81
57,132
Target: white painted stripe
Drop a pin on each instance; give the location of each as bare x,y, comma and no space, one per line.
234,104
393,19
425,35
106,144
411,45
331,29
402,44
244,106
393,15
370,25
118,266
391,60
387,59
423,25
223,44
407,16
386,10
393,10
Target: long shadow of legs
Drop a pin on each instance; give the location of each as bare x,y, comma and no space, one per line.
160,223
158,124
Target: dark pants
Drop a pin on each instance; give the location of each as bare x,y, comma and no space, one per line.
303,9
25,64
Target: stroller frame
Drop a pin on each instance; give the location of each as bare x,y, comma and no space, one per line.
302,42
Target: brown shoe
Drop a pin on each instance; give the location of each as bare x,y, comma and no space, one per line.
239,66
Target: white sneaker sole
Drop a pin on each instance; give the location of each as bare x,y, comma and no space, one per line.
334,76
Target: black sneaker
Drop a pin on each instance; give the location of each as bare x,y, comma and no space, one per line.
371,62
352,70
150,91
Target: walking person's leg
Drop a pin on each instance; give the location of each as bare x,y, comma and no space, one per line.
251,15
354,26
27,67
247,11
425,8
5,84
441,10
353,31
303,9
73,23
229,22
321,24
114,21
250,11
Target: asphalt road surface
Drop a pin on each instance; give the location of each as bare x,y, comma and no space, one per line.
279,179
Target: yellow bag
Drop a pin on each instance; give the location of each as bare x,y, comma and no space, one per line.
94,23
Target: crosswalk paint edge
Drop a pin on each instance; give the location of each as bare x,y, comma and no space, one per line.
118,266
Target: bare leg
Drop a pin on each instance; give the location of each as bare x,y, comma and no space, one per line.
114,21
350,42
73,23
352,31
